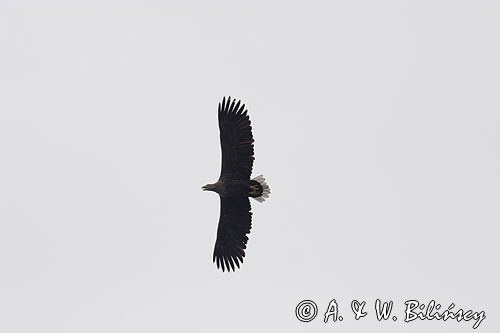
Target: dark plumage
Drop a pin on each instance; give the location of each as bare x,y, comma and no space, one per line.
234,185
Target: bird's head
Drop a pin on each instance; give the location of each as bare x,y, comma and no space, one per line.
209,187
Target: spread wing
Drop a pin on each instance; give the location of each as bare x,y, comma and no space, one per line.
235,223
236,140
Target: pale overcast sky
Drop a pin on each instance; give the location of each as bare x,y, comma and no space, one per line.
376,124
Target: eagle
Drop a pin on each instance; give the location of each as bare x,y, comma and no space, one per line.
234,185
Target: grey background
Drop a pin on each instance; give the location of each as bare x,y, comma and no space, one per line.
376,125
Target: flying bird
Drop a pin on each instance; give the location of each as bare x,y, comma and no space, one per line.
234,185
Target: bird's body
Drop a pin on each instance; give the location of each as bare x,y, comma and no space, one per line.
237,188
234,185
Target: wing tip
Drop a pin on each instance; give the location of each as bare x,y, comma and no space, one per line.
231,106
228,263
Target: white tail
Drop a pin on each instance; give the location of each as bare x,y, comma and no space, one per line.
266,189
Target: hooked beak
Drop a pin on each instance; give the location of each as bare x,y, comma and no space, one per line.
208,187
